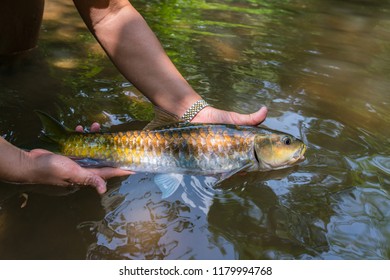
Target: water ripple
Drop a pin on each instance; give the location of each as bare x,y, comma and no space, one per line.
359,228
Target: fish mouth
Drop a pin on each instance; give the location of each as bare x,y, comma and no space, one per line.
299,155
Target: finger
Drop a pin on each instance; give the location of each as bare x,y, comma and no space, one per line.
250,119
95,177
95,181
79,128
95,127
101,174
108,172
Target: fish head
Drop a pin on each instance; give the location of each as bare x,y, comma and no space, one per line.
276,151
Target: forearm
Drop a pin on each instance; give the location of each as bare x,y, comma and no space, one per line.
137,53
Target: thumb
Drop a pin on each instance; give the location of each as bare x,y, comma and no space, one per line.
250,119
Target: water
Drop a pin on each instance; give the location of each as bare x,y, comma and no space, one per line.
321,67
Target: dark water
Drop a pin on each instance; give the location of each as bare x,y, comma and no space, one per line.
321,67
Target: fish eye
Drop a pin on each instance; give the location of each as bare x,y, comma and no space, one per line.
286,140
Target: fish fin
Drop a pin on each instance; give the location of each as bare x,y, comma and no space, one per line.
168,183
91,163
161,118
53,130
226,175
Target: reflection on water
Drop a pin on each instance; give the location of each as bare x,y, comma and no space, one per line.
359,227
140,225
322,68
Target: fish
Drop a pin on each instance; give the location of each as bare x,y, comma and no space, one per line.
172,150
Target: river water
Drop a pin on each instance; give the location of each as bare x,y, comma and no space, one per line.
321,67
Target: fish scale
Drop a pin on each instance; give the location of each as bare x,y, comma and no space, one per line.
198,148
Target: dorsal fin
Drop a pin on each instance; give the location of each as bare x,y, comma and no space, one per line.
53,130
162,118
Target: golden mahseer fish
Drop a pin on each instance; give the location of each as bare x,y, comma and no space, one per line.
170,151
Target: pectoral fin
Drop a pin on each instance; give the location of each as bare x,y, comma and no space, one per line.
168,183
161,118
224,176
92,163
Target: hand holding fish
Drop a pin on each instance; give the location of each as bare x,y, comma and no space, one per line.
43,167
145,63
213,115
52,169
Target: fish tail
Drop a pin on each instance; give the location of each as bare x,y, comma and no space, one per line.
53,130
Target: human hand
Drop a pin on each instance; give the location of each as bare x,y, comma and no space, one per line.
212,115
52,169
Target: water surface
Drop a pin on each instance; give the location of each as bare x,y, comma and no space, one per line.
321,67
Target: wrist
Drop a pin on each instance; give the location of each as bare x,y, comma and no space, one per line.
15,166
34,167
176,102
26,166
190,114
37,167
